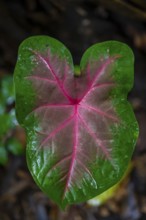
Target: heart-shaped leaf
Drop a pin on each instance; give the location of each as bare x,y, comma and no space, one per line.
81,131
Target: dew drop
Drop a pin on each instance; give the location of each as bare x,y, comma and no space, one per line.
84,191
94,184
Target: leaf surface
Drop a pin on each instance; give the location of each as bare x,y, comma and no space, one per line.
81,131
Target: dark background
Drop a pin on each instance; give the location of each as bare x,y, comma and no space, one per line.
78,24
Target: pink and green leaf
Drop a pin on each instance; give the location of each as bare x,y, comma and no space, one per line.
81,130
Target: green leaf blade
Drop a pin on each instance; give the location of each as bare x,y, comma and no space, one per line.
81,131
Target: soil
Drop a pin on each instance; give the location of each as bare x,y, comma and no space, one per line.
78,24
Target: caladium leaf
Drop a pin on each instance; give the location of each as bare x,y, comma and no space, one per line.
81,130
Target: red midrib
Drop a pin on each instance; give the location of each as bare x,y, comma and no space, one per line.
75,144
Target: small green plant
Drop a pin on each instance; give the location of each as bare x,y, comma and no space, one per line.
8,122
81,130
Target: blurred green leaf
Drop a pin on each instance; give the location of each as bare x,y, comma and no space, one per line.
5,123
7,120
14,146
2,107
13,118
6,93
3,155
7,90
